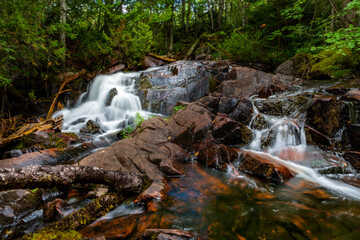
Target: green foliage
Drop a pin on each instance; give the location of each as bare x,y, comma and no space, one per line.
178,108
126,132
32,95
139,119
243,46
344,40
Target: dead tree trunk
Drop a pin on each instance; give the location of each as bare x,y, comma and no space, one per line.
63,176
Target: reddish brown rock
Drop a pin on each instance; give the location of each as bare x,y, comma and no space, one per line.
264,166
168,234
244,82
190,125
150,62
115,69
211,103
353,94
271,89
243,111
227,105
211,153
230,132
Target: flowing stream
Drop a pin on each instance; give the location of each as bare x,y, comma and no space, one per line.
322,201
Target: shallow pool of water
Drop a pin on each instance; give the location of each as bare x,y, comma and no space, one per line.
217,206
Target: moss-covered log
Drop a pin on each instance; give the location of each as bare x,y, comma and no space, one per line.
88,214
63,176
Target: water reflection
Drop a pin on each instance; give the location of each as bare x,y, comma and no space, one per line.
217,206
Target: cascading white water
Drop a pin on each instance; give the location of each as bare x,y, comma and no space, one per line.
110,102
288,139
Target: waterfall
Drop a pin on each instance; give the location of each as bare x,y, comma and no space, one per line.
284,141
110,102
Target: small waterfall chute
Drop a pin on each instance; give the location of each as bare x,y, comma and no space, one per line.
110,102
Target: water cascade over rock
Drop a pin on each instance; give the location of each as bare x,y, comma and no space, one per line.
109,105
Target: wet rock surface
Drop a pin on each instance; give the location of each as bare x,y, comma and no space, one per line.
113,92
167,234
263,167
15,204
52,156
180,81
91,127
283,106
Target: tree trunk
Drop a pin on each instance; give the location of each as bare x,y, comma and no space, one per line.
63,11
243,18
188,15
211,15
63,176
220,16
171,30
183,8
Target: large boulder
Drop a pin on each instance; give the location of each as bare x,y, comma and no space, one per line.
244,82
295,66
179,81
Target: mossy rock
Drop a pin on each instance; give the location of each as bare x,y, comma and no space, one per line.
331,64
324,65
52,234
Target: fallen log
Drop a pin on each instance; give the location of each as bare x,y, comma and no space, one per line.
63,176
30,128
165,59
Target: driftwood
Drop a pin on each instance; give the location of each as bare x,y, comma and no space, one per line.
66,81
165,59
30,128
63,176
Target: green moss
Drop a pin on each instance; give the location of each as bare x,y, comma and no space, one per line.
332,64
213,83
58,234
